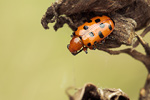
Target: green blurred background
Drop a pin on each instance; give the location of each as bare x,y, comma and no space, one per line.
36,65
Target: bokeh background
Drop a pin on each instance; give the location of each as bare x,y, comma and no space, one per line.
36,65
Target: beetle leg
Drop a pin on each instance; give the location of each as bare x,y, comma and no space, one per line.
68,46
85,49
73,34
102,42
94,47
77,52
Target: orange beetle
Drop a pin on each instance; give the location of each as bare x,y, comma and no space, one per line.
91,32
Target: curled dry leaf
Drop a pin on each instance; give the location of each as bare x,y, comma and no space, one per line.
91,92
128,15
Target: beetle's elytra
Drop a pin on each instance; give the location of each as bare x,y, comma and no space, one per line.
91,32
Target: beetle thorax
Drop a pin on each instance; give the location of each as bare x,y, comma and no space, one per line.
75,44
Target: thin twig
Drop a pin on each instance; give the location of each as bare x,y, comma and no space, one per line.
142,35
144,44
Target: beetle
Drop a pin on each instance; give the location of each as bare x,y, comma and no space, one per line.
90,33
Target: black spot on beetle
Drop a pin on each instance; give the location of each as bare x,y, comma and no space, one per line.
85,27
102,25
91,34
95,42
97,20
89,44
109,26
100,34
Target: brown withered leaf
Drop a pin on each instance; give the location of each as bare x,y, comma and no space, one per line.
128,15
91,92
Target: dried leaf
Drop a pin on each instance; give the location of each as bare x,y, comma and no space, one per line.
128,15
91,92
